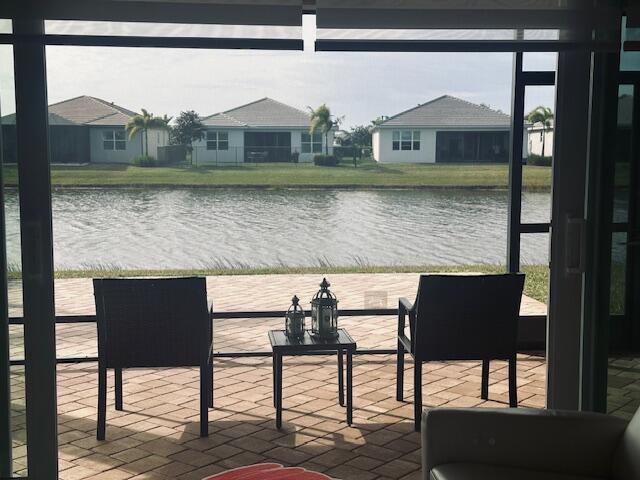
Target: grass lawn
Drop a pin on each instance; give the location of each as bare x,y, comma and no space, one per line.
536,284
367,174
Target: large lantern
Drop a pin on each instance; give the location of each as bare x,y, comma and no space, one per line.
294,320
324,313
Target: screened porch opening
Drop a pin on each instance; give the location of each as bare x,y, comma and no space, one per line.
267,147
458,147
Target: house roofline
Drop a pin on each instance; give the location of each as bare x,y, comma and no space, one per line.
258,127
227,113
382,124
120,108
443,127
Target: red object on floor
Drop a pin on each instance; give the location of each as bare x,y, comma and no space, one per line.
268,471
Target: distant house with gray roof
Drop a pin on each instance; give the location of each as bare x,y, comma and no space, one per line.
88,129
444,130
265,130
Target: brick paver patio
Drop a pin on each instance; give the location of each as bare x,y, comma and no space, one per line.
156,436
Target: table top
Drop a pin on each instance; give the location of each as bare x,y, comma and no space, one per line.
280,341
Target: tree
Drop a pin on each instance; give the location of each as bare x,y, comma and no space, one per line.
361,136
378,121
187,129
142,122
542,115
323,121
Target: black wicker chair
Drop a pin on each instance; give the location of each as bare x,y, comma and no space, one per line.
153,323
460,317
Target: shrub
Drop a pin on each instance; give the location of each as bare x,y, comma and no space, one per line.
144,161
325,160
342,152
539,160
295,157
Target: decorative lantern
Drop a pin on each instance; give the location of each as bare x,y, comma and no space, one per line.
324,313
294,320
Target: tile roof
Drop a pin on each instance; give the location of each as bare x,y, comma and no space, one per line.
83,110
88,110
53,120
448,111
263,113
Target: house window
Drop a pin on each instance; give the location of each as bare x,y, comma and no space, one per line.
311,143
405,140
217,140
114,140
416,140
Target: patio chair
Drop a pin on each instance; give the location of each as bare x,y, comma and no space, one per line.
460,317
527,444
153,323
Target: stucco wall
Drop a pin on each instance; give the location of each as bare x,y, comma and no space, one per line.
383,147
535,142
234,154
99,155
296,145
157,138
236,147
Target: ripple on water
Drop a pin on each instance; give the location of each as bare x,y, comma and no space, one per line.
190,228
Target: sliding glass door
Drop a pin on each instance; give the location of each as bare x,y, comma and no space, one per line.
13,438
623,374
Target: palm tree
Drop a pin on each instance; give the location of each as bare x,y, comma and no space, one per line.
544,116
142,123
323,121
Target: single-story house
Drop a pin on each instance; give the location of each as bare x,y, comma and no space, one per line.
88,129
446,129
261,131
622,145
536,144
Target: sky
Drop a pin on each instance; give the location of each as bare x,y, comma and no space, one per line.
360,86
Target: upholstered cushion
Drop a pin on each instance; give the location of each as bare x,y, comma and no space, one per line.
627,459
476,471
568,443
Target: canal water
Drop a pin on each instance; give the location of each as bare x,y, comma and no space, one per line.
194,228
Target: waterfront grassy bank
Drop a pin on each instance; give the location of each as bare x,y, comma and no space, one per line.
368,174
536,285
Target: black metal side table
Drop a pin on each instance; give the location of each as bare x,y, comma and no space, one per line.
283,345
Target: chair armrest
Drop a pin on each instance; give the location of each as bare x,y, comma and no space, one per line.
405,303
405,307
572,443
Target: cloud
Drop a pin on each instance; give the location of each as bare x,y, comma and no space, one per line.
359,85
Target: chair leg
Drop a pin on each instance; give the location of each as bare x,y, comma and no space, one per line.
102,403
211,382
484,389
204,400
118,381
340,378
417,393
400,373
513,385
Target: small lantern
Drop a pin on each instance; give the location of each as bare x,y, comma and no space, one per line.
324,313
294,320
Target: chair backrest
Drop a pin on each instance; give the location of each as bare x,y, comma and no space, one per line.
467,317
152,322
627,458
